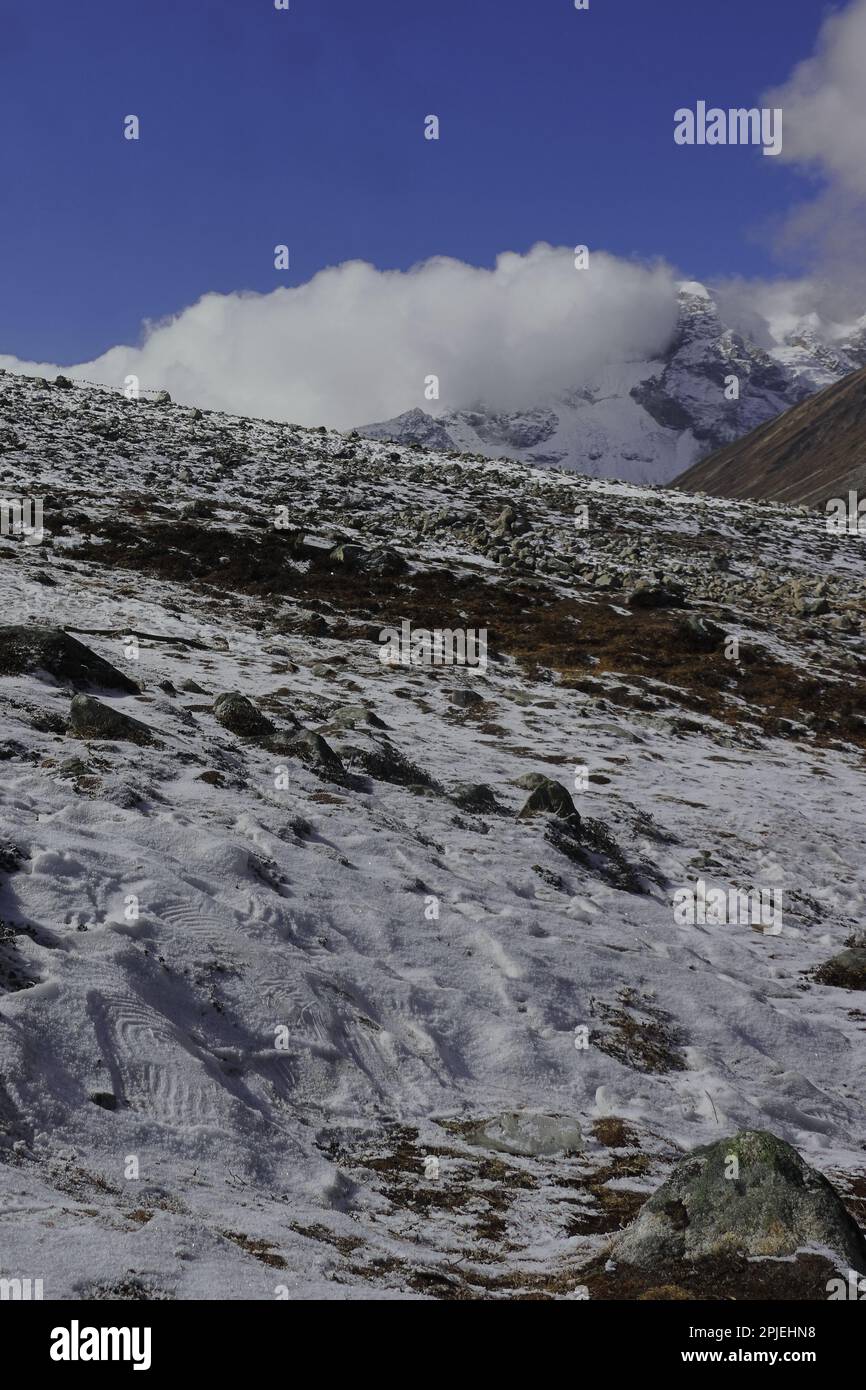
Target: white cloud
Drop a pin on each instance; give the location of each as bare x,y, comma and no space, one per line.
355,344
824,103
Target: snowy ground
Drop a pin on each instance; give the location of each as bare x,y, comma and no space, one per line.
280,1031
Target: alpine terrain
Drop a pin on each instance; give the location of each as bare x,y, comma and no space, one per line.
330,971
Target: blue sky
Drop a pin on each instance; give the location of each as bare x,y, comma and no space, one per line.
306,127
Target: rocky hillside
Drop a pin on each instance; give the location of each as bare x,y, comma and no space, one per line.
324,976
648,421
807,456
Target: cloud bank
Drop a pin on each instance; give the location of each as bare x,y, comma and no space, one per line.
356,344
824,104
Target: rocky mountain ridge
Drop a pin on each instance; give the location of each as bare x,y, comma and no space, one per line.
647,422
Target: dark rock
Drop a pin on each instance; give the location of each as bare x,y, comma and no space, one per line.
549,798
105,1099
845,971
32,650
89,718
479,798
384,562
646,595
699,634
318,755
385,763
465,698
240,716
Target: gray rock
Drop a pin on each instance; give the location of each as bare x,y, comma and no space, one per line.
529,780
527,1133
465,697
385,763
384,561
479,798
240,716
351,716
773,1205
33,650
89,718
318,755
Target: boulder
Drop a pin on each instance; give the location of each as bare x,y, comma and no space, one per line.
549,798
648,595
240,716
318,755
845,971
89,718
478,798
528,1134
751,1195
26,650
464,697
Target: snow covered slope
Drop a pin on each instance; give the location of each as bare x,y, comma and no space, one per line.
649,421
265,969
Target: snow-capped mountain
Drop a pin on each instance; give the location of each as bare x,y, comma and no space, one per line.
648,421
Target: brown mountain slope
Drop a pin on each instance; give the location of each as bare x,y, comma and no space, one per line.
805,456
